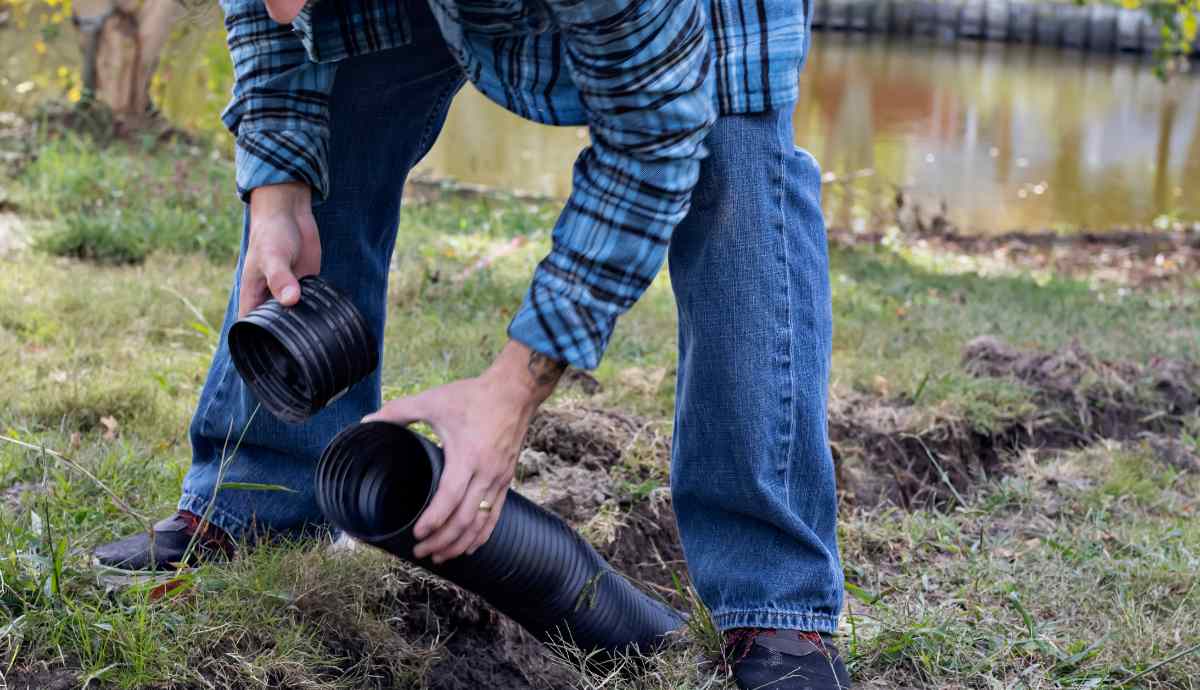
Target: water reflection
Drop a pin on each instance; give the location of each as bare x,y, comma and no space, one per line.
1008,136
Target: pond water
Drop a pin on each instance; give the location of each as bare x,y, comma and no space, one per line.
1005,136
1008,137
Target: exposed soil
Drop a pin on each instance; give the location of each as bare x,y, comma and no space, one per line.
1127,257
438,633
573,464
581,462
592,466
890,451
41,679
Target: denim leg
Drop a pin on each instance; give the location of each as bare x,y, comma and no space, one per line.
752,475
387,109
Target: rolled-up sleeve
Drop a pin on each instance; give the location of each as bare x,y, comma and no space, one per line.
279,113
642,68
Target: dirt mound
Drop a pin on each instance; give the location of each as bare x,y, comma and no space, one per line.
575,464
414,630
646,548
592,438
890,451
42,679
1128,257
1111,399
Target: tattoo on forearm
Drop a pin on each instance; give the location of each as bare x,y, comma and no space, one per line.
544,370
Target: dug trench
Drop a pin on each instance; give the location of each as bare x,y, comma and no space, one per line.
604,472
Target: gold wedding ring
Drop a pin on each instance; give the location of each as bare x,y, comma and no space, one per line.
485,506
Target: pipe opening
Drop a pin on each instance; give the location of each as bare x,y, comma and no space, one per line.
270,370
375,480
298,359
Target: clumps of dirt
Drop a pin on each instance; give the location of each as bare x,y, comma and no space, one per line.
1173,452
576,463
583,463
1126,257
42,678
1104,398
591,438
646,548
887,451
891,451
410,629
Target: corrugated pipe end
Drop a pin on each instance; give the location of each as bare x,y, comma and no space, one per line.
374,480
299,359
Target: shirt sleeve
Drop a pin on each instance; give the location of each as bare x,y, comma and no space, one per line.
642,69
279,114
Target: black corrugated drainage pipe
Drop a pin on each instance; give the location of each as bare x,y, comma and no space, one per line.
299,359
375,479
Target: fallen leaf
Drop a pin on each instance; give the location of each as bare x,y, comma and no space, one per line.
168,587
881,385
644,381
110,427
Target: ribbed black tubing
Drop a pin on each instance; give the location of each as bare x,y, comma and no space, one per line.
298,359
375,479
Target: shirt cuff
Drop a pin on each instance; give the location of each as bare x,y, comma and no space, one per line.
264,157
562,321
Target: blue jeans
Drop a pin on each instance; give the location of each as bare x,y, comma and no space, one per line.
752,474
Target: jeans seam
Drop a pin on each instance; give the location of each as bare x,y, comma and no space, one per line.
425,143
789,426
218,389
802,620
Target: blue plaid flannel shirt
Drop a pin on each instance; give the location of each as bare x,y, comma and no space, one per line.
647,76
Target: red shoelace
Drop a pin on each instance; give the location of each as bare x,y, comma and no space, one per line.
739,641
211,536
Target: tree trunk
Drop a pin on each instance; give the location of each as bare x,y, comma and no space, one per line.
122,41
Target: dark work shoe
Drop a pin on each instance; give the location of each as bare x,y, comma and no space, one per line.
784,660
164,546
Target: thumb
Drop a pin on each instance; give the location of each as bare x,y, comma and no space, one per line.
280,279
402,411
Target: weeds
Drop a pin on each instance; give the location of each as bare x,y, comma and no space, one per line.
1070,568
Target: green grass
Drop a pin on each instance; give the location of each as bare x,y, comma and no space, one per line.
1076,571
118,204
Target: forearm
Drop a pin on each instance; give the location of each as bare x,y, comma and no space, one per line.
527,376
645,83
279,112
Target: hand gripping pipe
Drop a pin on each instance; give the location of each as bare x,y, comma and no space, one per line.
375,479
299,359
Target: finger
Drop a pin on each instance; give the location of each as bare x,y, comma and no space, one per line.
252,291
451,488
458,532
484,520
280,279
493,518
468,537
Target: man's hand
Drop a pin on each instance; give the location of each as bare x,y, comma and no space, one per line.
482,424
284,245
